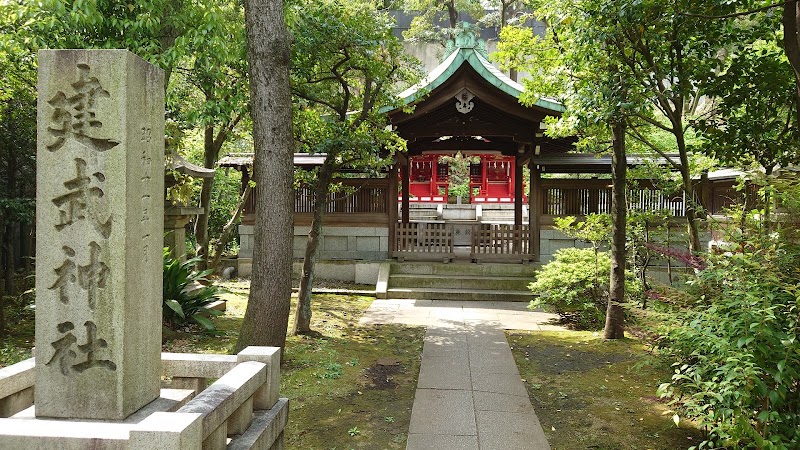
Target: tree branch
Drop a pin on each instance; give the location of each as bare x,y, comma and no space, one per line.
736,14
639,137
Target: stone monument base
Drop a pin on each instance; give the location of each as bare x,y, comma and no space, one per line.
241,410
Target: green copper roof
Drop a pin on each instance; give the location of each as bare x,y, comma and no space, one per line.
468,50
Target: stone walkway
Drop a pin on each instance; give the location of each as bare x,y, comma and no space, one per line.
469,393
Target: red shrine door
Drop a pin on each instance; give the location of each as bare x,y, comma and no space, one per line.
428,179
491,179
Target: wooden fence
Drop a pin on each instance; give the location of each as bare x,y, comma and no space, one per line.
500,242
364,198
490,242
571,197
425,241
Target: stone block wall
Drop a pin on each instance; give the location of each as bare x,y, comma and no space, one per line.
553,240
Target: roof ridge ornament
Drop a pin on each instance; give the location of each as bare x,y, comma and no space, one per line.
466,36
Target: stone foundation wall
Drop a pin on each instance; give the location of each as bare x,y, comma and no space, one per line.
553,240
336,243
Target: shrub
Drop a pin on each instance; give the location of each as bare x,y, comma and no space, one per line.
186,296
737,369
574,286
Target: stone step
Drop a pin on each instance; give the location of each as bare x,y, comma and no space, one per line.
467,269
459,282
459,294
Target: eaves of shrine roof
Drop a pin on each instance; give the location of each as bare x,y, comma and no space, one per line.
473,55
239,160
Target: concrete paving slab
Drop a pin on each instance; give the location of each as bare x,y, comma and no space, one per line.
448,314
449,304
441,442
439,411
502,383
372,320
384,305
480,304
480,314
415,321
520,431
499,364
445,372
445,347
493,401
445,333
514,306
469,393
513,441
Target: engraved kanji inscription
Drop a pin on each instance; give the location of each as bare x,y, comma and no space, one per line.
82,199
93,275
66,274
65,356
75,116
63,347
90,347
90,277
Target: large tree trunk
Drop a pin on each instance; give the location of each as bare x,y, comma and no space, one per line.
615,314
267,315
302,317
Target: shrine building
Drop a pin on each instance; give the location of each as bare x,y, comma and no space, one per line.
468,108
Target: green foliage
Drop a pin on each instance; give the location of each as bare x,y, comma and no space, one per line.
186,298
436,21
756,117
12,354
569,286
595,229
736,348
737,369
346,65
225,197
458,176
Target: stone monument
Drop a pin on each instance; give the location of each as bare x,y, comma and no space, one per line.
99,379
99,180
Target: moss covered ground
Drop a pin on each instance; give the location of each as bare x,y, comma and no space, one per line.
350,386
594,394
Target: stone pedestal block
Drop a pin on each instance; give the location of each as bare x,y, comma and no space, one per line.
100,184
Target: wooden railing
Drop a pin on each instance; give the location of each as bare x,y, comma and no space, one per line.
490,242
367,197
420,240
582,197
500,242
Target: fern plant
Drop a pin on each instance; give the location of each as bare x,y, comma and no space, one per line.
187,295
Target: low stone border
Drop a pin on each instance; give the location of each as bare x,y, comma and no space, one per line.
240,410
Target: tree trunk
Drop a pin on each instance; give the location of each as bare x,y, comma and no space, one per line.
452,14
791,43
210,154
302,317
267,315
615,314
227,230
688,187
